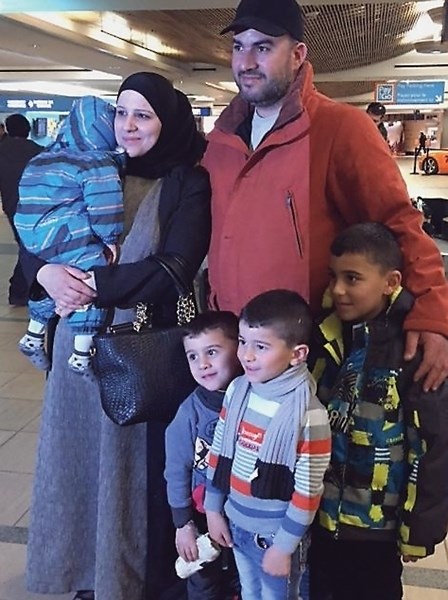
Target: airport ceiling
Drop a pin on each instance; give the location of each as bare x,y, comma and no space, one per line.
94,43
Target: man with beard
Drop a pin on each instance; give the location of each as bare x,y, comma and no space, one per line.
290,169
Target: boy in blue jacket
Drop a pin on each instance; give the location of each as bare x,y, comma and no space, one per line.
385,494
211,344
70,211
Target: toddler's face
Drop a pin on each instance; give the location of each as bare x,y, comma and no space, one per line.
360,289
212,358
264,355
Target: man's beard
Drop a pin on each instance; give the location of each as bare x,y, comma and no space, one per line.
273,91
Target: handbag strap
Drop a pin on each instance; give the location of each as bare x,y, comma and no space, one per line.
175,266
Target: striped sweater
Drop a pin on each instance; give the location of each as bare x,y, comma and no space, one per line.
288,520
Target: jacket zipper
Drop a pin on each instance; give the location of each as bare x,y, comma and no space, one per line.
344,468
295,222
341,492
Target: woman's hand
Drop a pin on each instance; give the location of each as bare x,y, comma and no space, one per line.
66,285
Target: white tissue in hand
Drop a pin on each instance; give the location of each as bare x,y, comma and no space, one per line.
208,552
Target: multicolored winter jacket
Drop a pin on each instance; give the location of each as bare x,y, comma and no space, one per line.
389,463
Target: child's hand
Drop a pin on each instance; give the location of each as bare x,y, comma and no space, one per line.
408,558
218,529
186,542
111,253
276,563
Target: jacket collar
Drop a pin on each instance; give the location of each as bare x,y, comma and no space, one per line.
212,400
401,303
331,327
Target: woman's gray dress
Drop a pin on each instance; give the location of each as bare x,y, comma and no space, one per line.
89,508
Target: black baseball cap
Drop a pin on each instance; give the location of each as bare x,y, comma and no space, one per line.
272,17
377,109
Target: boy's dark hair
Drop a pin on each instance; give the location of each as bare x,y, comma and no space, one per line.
374,240
376,108
207,321
283,310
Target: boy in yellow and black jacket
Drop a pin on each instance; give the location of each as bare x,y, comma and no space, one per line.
386,491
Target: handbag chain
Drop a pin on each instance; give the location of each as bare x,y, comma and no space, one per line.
141,316
185,310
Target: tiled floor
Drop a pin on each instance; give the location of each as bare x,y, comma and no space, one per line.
20,402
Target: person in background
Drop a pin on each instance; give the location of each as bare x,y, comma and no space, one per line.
15,152
385,494
70,212
422,142
211,344
377,112
270,450
100,522
282,189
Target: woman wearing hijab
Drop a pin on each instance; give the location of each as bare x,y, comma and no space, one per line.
99,516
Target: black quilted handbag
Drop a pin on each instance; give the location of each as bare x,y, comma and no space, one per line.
142,371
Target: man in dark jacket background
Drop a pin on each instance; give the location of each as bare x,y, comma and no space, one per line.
422,139
15,152
376,112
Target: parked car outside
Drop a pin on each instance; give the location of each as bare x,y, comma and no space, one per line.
434,162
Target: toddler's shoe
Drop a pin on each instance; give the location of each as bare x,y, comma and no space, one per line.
33,347
208,552
81,363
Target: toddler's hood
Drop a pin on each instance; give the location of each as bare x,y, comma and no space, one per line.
88,126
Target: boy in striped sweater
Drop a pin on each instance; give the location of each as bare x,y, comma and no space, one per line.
70,211
270,450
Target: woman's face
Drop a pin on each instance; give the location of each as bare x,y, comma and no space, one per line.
137,127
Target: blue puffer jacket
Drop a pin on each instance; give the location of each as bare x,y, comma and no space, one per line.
70,194
387,477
